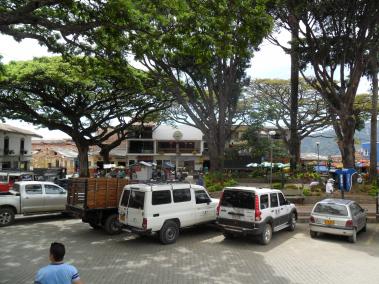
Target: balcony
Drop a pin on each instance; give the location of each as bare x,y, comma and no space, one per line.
181,151
141,147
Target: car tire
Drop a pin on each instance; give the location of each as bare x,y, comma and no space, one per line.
313,234
292,223
228,235
169,233
111,225
266,234
353,238
6,216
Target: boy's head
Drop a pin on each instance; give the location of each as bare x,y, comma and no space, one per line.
57,252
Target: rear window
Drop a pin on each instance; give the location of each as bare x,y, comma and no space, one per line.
16,187
238,199
161,197
331,209
133,199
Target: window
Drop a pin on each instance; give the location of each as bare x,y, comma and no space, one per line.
16,187
161,197
4,179
57,163
133,199
6,145
52,189
274,200
355,209
264,201
282,200
181,195
33,189
239,199
331,209
201,197
22,146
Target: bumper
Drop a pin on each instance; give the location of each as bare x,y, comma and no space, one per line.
240,228
340,231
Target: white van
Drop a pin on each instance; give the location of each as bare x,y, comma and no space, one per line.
165,208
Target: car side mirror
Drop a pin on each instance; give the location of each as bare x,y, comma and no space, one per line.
288,202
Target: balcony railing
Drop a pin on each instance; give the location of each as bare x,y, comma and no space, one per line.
181,151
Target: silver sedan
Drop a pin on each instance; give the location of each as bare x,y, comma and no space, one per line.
338,217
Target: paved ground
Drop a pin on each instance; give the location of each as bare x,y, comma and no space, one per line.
201,255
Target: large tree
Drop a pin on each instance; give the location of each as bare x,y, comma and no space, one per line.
334,37
81,98
272,100
200,50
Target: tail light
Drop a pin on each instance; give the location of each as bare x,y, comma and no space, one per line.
219,204
258,212
312,219
349,223
144,223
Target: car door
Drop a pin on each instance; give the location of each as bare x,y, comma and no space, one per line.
284,209
205,211
33,199
55,198
183,204
357,215
275,209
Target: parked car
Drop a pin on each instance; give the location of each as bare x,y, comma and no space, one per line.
255,211
165,208
338,217
31,197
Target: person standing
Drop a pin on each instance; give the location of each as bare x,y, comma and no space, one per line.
57,272
329,187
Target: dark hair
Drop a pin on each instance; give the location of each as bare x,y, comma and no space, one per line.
58,251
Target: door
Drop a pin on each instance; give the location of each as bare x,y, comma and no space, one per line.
284,209
55,198
358,216
275,209
205,210
135,207
33,199
183,204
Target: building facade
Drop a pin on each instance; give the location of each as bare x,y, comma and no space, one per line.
15,148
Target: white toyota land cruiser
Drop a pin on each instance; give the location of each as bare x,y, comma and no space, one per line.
254,211
165,208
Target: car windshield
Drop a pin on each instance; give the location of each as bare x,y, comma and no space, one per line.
238,198
331,209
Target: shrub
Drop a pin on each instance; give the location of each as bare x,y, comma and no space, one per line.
216,181
374,189
276,185
306,192
290,186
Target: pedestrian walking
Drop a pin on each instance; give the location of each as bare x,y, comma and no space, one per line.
57,272
329,187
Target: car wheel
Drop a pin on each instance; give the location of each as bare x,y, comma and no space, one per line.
292,222
169,232
111,225
313,234
6,216
364,229
229,235
266,234
353,238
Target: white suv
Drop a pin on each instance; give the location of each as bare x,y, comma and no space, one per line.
165,208
254,211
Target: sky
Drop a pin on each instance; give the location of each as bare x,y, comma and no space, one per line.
269,62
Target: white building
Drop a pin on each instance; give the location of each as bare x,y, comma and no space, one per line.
15,147
164,145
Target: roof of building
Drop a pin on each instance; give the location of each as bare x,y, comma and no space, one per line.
12,129
66,152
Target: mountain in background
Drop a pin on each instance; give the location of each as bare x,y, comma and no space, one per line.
328,145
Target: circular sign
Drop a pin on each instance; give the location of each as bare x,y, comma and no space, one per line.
177,135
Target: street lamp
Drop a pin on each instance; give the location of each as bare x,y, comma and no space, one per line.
318,156
271,133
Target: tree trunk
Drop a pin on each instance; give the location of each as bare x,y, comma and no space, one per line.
374,117
294,141
83,159
104,153
347,125
216,146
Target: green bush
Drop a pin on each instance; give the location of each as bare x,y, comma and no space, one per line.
216,181
306,192
276,185
374,189
290,186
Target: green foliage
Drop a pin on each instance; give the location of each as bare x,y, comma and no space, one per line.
290,186
374,190
306,192
216,181
277,185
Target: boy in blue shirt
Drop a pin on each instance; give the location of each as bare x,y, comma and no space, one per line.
57,272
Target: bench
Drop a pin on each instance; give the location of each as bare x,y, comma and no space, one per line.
294,194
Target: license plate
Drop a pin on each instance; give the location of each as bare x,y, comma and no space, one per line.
329,222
